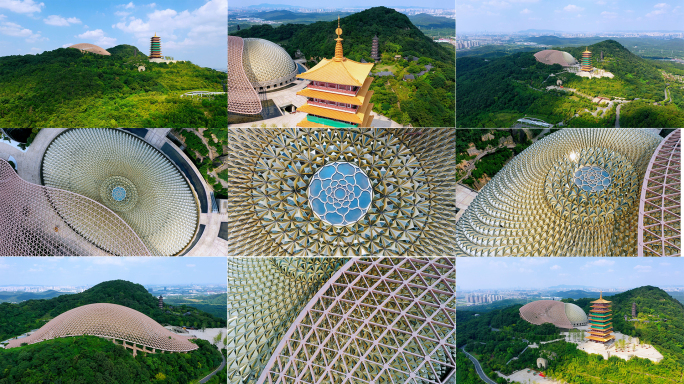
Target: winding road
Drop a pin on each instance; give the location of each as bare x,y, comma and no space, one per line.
478,368
223,364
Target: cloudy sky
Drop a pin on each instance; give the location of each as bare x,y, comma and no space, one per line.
79,271
542,272
192,30
568,15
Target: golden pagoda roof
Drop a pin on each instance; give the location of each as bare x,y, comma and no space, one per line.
354,118
601,300
345,72
586,50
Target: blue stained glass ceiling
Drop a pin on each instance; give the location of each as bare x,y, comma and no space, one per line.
340,193
592,179
118,193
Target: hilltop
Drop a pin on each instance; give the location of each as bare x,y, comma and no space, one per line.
16,319
426,101
67,88
497,92
496,337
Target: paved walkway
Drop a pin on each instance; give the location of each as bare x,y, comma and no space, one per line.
28,163
478,368
464,197
223,364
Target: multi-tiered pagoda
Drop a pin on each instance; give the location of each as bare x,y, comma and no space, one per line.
586,60
155,47
374,49
600,321
338,94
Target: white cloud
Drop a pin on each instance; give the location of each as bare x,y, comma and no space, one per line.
204,25
3,17
611,270
643,268
129,5
600,263
661,5
152,5
21,6
190,265
661,8
555,267
665,264
525,11
122,13
59,21
629,11
67,45
573,8
99,38
601,2
16,30
609,15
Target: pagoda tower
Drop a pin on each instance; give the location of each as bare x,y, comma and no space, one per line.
161,302
374,49
600,321
155,47
586,60
338,95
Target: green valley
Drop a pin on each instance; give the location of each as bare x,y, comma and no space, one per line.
497,91
67,88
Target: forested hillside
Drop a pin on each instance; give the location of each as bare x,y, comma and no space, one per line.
93,360
67,88
496,337
427,101
15,297
497,92
16,319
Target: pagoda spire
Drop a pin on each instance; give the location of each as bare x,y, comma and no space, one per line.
338,47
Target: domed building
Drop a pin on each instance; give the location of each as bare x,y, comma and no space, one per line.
562,315
267,65
551,56
92,48
131,328
573,193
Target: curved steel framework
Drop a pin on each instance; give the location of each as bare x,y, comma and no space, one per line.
43,221
107,165
110,321
382,320
535,206
411,172
264,296
242,98
660,203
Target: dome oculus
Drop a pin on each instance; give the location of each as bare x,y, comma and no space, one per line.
592,179
340,194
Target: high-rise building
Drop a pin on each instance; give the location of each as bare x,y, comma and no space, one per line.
155,47
586,60
338,95
600,321
374,49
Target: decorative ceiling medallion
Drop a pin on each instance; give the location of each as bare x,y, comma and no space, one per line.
340,194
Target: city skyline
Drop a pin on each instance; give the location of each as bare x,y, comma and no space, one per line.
189,30
539,273
82,271
441,4
567,16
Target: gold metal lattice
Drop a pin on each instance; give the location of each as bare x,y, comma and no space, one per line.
265,295
411,172
539,204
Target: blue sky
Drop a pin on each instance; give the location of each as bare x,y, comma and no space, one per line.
79,271
542,272
192,30
568,15
445,4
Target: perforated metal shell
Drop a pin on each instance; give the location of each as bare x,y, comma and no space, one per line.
264,60
160,205
109,321
533,207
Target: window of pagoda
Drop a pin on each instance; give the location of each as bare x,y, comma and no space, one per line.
332,87
333,105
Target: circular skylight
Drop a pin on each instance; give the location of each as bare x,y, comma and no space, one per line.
118,193
592,179
340,193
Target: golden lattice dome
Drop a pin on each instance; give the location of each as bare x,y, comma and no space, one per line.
264,61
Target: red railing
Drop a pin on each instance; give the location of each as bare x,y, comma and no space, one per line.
322,88
337,107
